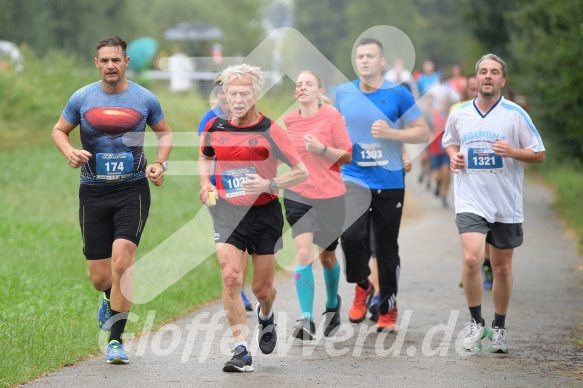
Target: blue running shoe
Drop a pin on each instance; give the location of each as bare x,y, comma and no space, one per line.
246,302
104,313
241,361
374,308
115,353
488,277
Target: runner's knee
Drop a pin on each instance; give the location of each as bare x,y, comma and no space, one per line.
472,262
263,291
305,256
232,279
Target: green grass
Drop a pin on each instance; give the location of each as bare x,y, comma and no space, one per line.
566,179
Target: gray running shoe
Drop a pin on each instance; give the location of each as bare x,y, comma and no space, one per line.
266,335
305,329
332,319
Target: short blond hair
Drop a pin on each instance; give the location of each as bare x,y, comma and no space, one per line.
241,71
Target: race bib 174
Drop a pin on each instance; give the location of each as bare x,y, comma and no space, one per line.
113,166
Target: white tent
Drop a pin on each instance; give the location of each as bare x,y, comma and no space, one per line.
10,54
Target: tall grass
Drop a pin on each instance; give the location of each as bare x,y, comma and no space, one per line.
566,178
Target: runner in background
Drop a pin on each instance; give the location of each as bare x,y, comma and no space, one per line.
315,208
373,109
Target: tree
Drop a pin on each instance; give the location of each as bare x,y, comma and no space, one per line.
240,22
546,58
399,14
76,26
435,28
488,20
60,24
323,23
445,33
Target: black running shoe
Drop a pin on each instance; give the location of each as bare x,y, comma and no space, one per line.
305,329
266,335
241,361
332,319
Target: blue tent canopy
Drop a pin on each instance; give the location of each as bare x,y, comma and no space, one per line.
141,52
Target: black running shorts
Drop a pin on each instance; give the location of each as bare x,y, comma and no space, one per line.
498,234
110,212
322,217
257,229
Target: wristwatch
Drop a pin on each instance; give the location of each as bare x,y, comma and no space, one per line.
273,186
164,165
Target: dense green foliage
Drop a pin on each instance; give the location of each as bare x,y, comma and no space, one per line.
54,24
546,52
50,24
434,27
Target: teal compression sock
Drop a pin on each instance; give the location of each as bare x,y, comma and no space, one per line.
332,280
304,277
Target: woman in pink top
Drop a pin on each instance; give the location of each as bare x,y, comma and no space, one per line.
315,209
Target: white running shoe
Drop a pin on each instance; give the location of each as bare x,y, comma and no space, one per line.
476,332
498,337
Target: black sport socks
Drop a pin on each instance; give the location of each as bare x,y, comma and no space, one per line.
364,284
499,321
119,324
476,313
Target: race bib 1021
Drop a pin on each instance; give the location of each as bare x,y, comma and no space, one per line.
233,179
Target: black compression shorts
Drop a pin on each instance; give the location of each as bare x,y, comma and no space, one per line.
110,212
